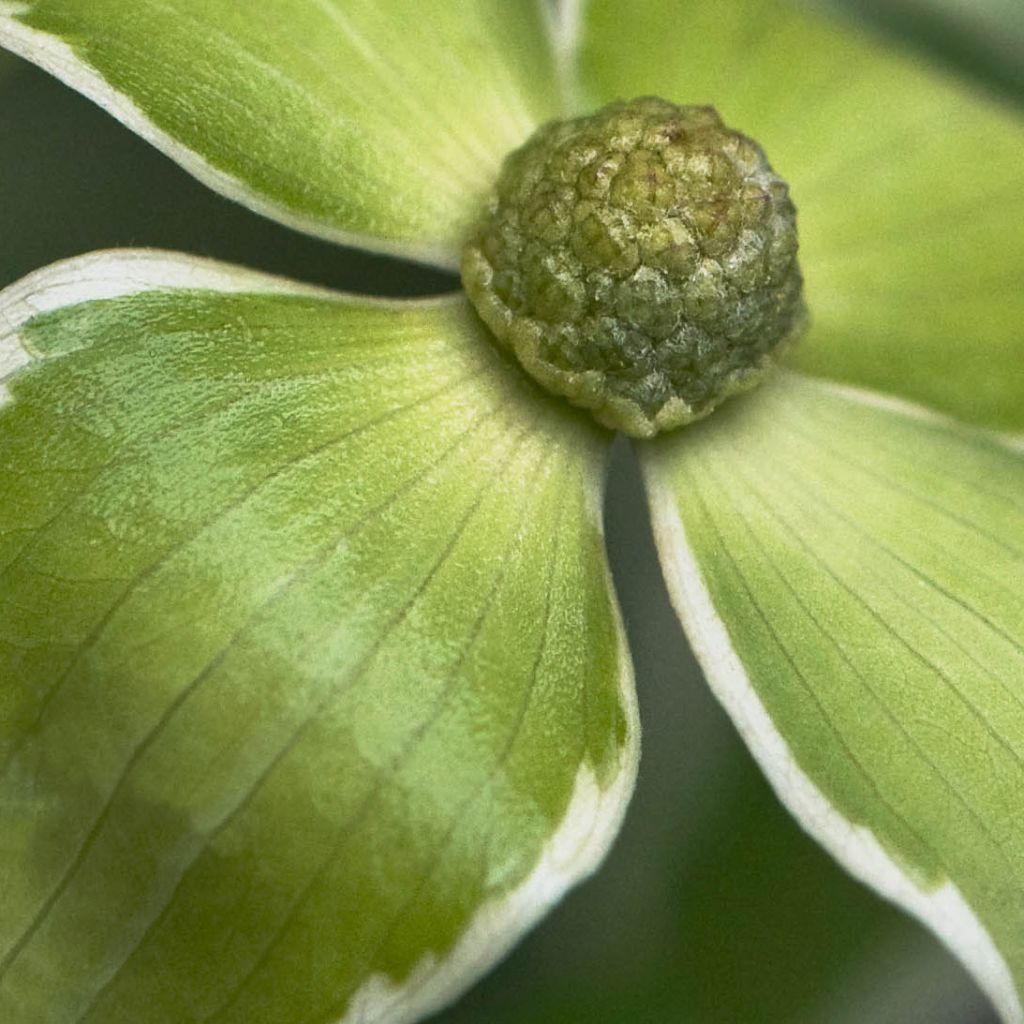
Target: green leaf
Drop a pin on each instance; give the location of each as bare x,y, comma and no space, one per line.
848,570
315,692
358,121
909,184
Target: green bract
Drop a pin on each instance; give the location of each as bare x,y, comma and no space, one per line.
641,261
313,690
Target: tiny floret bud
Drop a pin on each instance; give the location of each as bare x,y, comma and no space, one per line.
640,261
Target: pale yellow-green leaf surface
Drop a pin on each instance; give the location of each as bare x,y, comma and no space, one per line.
372,122
315,694
849,572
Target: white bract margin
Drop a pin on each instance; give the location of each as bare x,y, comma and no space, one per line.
562,21
575,850
119,273
943,909
594,815
911,410
115,274
61,61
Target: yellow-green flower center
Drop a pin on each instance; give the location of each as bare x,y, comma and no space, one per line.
640,261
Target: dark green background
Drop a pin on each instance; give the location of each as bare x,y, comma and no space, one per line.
713,907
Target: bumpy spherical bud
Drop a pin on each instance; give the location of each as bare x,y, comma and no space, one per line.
640,261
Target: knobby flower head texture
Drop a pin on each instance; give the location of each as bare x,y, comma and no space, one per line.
315,693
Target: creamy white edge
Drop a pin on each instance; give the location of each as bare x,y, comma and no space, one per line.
562,20
575,850
117,273
60,60
112,275
911,410
570,23
593,817
942,909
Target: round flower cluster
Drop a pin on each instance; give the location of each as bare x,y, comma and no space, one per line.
641,261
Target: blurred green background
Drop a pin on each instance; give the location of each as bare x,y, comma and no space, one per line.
713,907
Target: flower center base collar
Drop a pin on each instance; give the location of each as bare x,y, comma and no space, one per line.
641,261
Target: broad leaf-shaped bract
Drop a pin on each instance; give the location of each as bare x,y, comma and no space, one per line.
849,571
314,694
364,121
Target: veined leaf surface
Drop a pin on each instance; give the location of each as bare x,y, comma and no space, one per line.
848,570
314,690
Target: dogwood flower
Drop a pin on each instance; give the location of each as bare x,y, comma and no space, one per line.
315,692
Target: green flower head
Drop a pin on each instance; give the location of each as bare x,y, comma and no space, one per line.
640,261
314,693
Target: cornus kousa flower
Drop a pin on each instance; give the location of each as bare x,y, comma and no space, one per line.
315,693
